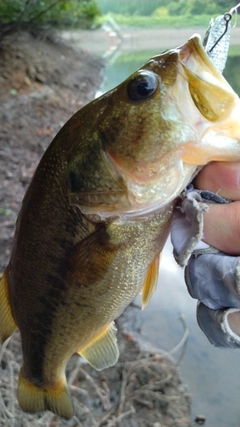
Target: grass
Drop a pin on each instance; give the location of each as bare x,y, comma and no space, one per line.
166,21
142,378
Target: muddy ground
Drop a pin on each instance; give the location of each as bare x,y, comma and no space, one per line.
42,83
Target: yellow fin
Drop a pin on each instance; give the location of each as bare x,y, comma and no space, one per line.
150,283
102,351
7,323
36,399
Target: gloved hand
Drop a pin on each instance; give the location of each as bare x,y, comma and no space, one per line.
212,276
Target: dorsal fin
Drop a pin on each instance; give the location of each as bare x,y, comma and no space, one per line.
150,283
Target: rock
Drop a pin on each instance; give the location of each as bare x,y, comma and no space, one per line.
40,78
19,54
31,71
39,68
27,81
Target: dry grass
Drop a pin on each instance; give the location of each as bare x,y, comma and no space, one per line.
143,391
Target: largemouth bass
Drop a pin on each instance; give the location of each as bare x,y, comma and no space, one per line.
96,215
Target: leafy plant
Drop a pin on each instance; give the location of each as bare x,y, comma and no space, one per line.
147,8
28,14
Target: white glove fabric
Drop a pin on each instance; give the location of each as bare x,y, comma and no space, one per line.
212,277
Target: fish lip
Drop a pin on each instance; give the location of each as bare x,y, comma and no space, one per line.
194,43
194,48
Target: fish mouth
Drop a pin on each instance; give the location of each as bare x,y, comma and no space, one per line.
206,83
217,124
210,92
194,57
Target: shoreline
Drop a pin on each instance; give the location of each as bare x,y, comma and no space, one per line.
136,39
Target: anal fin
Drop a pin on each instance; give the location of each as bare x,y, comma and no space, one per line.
150,283
37,399
7,323
102,351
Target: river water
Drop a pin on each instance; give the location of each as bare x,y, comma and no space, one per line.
213,375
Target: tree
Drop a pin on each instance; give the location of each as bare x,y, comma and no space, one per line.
33,14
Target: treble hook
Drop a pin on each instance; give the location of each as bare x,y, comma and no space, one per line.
227,18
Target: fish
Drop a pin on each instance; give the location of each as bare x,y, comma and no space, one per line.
97,213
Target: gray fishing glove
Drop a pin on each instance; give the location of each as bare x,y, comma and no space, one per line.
212,277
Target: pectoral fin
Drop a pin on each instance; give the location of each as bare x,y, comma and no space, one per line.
150,283
7,323
102,351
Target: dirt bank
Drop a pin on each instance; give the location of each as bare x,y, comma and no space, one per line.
41,85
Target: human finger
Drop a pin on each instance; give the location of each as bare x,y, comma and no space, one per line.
222,227
222,178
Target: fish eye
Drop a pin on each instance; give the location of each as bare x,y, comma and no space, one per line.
142,86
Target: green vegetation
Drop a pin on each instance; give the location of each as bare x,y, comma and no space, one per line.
160,21
176,7
32,14
164,13
7,212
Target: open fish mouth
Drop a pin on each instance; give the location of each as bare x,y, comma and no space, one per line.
193,55
218,123
210,92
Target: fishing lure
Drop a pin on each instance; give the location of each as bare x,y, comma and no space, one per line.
217,38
